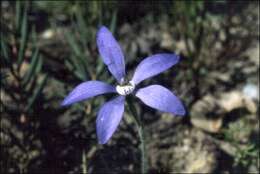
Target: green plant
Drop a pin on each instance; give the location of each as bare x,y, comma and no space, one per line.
22,86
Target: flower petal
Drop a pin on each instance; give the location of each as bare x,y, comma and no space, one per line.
109,117
87,90
154,65
111,53
161,98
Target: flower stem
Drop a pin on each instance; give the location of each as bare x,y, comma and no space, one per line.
140,128
84,162
142,148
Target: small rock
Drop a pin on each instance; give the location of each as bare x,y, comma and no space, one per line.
208,113
236,99
251,91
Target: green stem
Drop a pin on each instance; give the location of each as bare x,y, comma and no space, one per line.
84,162
142,148
140,128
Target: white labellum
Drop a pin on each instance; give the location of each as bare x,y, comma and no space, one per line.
125,90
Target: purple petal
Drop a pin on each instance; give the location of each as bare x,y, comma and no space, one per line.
87,90
111,53
161,98
154,65
109,117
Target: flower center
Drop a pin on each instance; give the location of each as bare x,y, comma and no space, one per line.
125,89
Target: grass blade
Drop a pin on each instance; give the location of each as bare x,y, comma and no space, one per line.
32,69
77,60
17,15
113,22
75,72
4,51
39,66
23,38
37,92
82,27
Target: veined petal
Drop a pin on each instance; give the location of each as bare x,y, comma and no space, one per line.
87,90
109,117
154,65
161,98
111,53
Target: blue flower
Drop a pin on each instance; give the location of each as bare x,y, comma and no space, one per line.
111,113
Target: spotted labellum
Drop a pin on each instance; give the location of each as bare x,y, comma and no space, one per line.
111,113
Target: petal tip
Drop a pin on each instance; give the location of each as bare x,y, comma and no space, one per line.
181,112
102,139
175,57
103,28
178,57
64,103
102,142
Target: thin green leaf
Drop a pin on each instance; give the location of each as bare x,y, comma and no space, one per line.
85,37
113,22
73,44
23,38
80,76
31,72
30,87
82,27
39,66
75,72
77,64
100,15
69,65
34,36
37,92
32,82
4,51
77,60
17,15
